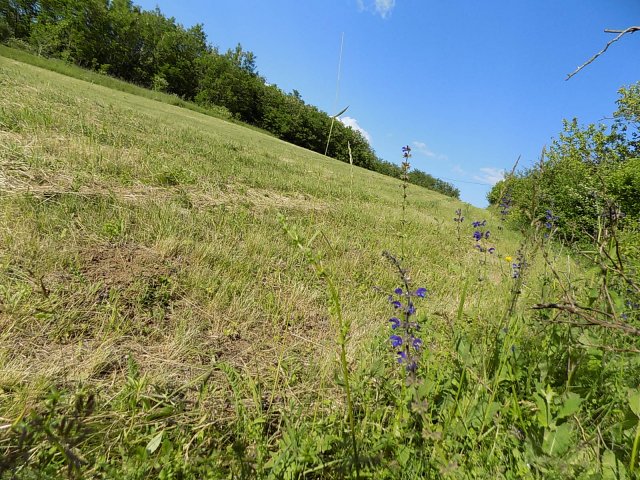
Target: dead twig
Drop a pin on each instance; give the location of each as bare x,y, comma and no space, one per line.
620,33
589,320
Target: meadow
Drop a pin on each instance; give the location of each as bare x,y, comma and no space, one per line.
157,320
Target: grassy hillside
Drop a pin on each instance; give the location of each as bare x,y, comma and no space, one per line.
156,321
70,70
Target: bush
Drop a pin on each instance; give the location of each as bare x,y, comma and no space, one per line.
624,185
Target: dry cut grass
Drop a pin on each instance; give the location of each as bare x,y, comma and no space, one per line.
137,233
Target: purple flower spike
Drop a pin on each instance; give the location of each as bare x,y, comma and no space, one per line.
417,343
421,292
411,310
396,340
477,235
395,323
398,291
491,250
402,356
396,304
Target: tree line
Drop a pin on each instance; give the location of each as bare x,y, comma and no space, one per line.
147,48
587,178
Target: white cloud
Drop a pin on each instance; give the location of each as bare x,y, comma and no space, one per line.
421,147
490,175
353,123
383,7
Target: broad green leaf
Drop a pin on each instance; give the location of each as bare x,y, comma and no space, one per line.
464,350
492,409
404,456
153,445
558,440
570,406
543,418
612,468
634,401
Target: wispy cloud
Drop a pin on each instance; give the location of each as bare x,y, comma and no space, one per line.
381,7
490,175
423,149
353,123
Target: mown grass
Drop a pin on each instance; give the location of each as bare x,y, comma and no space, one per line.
70,70
155,321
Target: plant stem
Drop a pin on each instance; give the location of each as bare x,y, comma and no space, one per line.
634,452
342,340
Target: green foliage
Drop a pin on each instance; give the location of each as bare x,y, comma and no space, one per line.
623,184
18,16
584,170
50,439
5,30
629,104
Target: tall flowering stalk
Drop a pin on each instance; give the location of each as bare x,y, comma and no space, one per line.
404,339
406,166
481,236
549,223
518,267
506,202
458,219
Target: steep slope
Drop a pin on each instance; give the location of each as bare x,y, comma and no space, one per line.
140,243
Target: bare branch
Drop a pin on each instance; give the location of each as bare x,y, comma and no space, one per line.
589,320
620,33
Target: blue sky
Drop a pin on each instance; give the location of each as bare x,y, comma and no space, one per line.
469,85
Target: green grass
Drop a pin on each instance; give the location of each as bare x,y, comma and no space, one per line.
70,70
142,261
